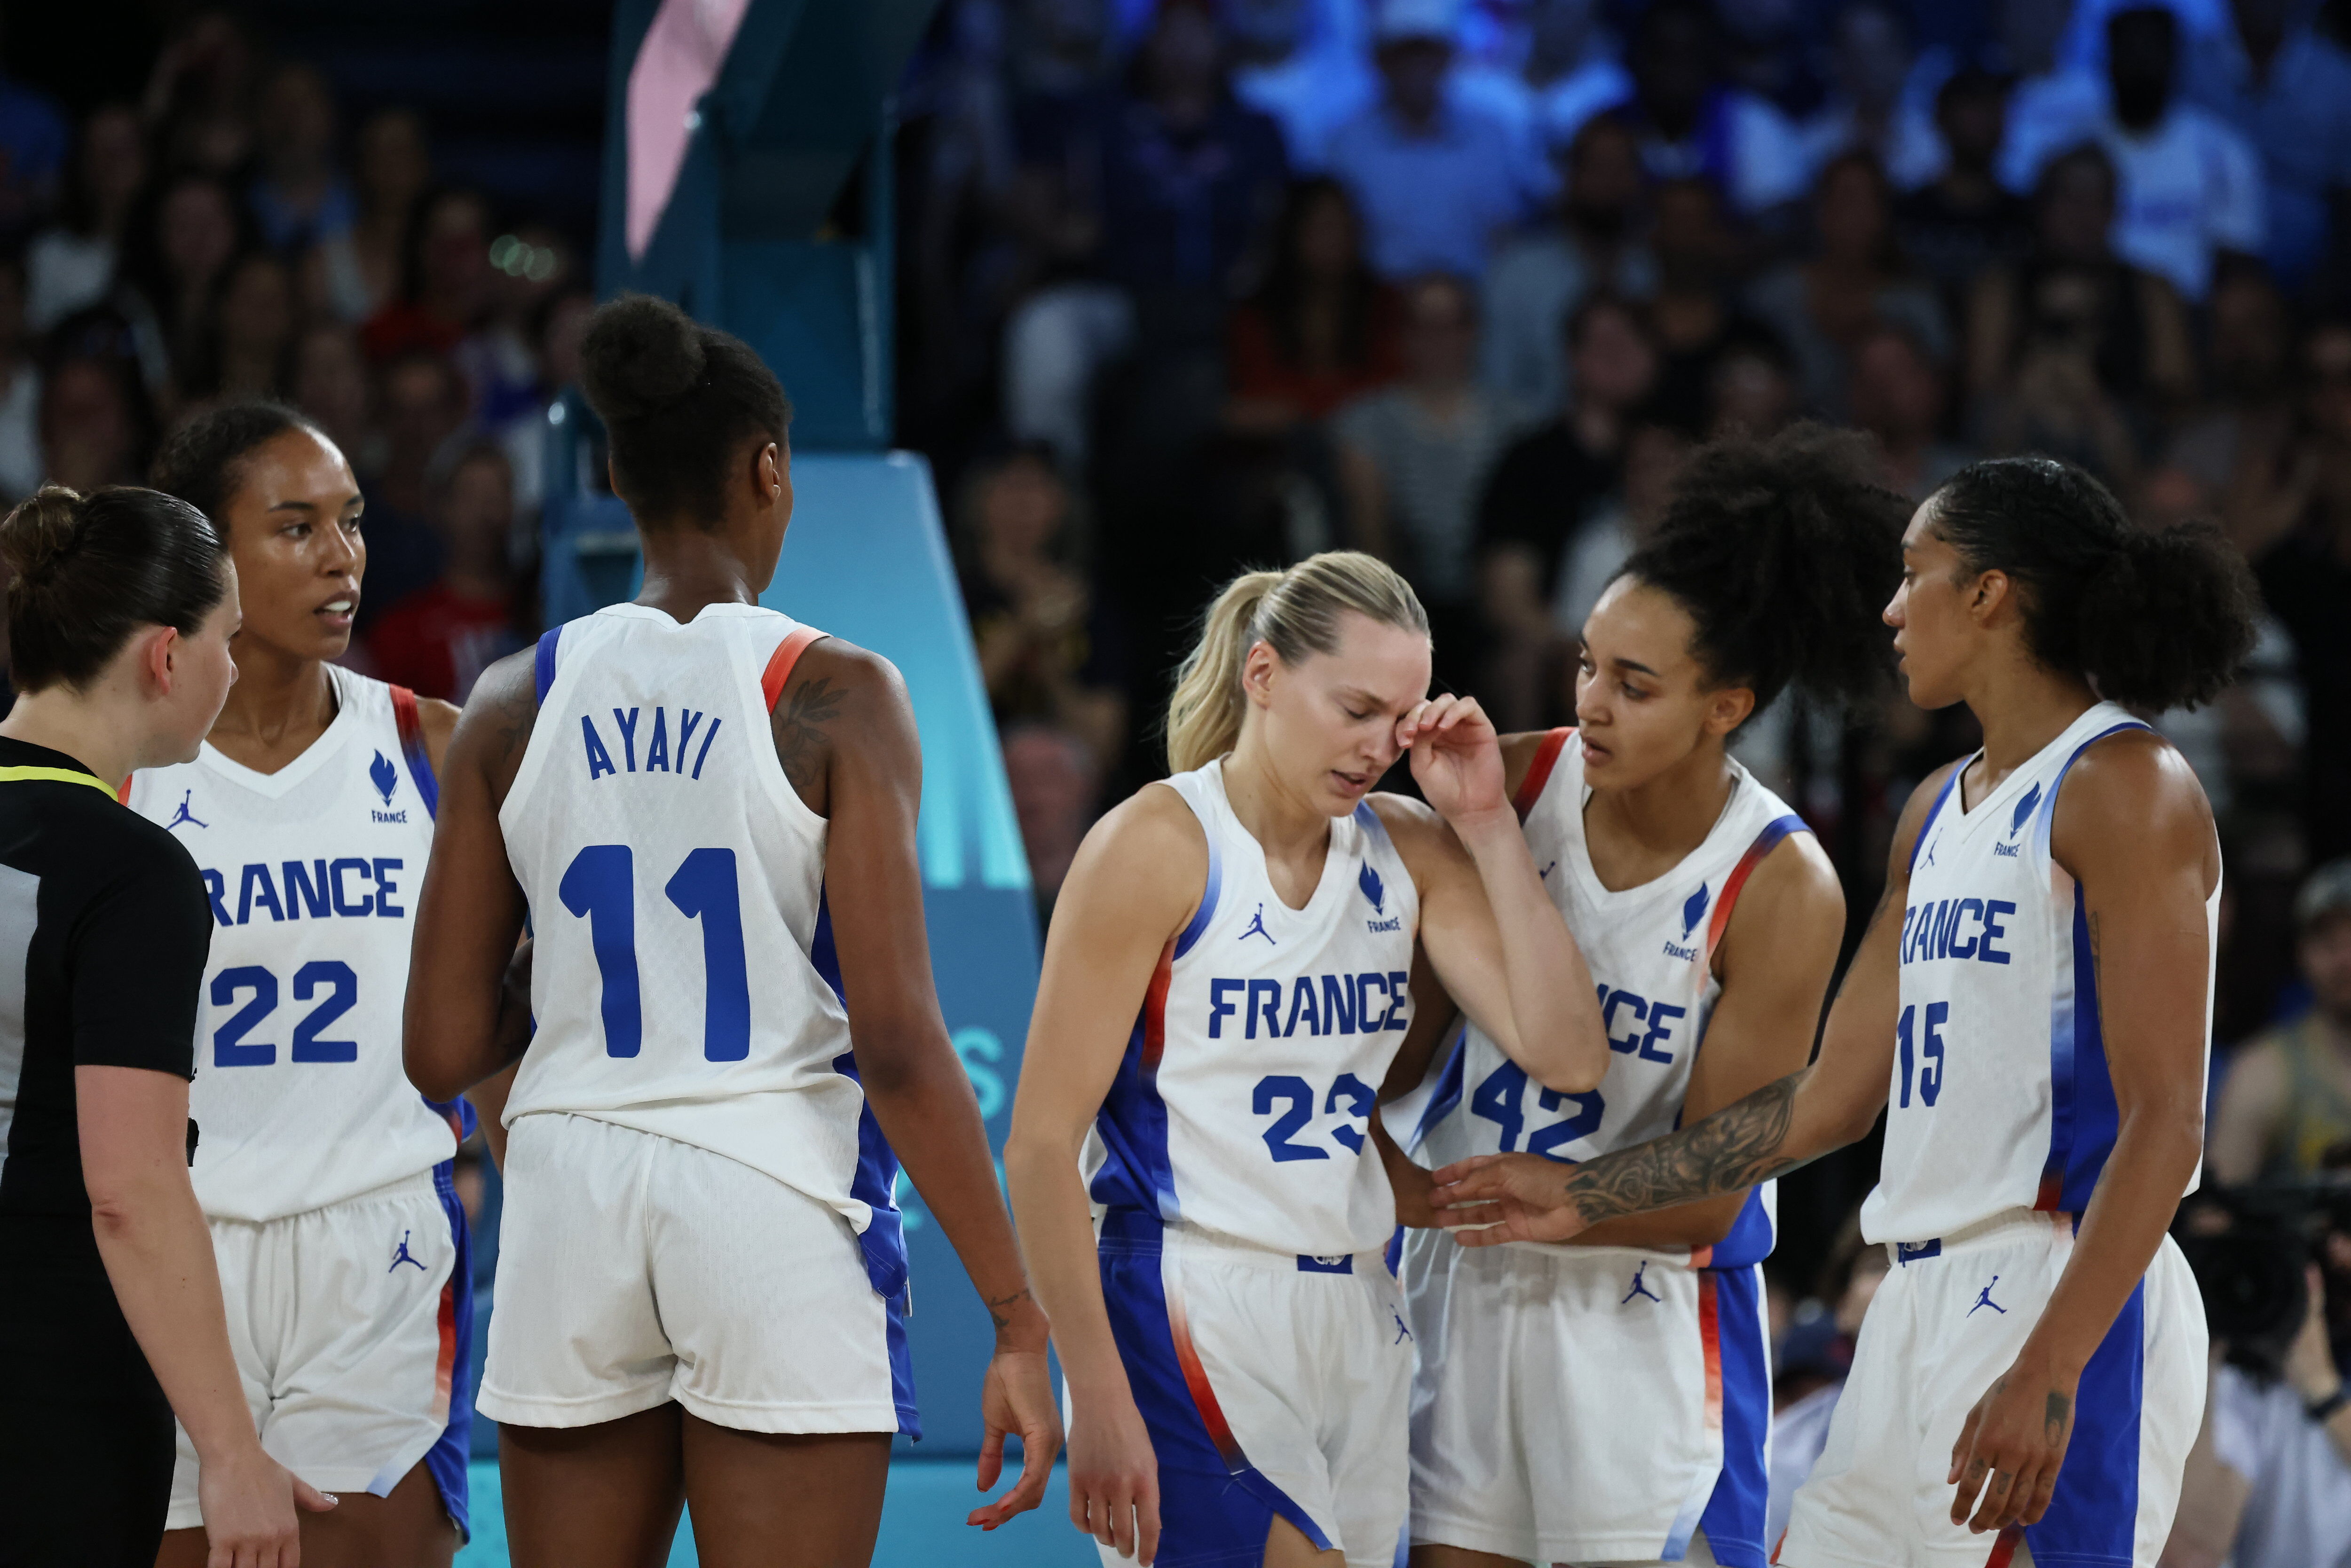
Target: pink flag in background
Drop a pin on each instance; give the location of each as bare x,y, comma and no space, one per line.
674,67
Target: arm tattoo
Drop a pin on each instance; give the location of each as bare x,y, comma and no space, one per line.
799,732
1736,1147
2059,1410
1004,1320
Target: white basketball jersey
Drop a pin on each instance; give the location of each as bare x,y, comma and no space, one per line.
2000,1096
1651,950
299,1098
663,849
1242,1104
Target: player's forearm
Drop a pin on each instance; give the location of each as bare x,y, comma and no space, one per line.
1693,1225
1560,1041
1057,1234
1781,1126
2128,1213
933,1122
159,1257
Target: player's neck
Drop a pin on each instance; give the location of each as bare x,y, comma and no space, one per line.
688,569
1666,817
280,703
2023,706
1287,827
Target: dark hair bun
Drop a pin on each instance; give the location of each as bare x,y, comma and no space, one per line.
2169,620
640,356
42,530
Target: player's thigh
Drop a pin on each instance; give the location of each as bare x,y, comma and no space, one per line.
408,1528
605,1496
1427,1556
783,1499
1286,1546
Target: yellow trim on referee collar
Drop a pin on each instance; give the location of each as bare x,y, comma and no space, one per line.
54,775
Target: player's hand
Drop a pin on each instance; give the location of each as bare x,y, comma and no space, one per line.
1115,1476
2010,1447
249,1502
1457,758
1488,1200
1415,1186
1016,1400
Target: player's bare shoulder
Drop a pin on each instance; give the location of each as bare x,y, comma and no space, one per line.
1145,861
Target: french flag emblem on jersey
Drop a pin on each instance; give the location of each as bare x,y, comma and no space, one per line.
1370,883
1694,911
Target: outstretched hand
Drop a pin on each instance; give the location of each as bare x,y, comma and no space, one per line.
1457,758
1017,1401
1488,1200
2004,1465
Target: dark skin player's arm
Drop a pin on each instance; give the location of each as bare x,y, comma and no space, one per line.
439,721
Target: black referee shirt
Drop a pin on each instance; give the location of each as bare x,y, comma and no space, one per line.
104,930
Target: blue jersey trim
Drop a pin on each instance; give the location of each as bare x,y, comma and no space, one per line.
1215,1507
1733,1520
1448,1096
875,1185
543,662
1198,924
1934,812
2093,1517
446,1461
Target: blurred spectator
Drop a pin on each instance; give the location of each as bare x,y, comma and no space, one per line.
1537,280
2306,578
1049,650
299,196
529,265
2189,186
1810,1362
2286,88
20,391
1415,459
250,330
1963,221
356,271
1301,63
1692,122
438,639
178,250
445,285
1545,486
422,406
1551,69
2287,1098
200,95
2061,346
33,142
96,428
557,327
1751,385
1322,328
71,263
1056,791
1857,278
330,385
1653,456
1867,110
1898,396
1152,198
2248,416
1437,179
1692,311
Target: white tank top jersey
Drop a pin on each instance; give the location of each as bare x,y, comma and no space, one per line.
2000,1097
1651,950
299,1098
1242,1104
660,847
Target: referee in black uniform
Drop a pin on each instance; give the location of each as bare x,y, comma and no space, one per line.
120,607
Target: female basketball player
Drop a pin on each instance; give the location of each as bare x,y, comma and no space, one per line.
120,608
1225,984
709,813
2032,997
329,1183
1712,920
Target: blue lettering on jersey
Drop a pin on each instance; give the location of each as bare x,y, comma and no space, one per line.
657,750
1319,1005
658,756
600,761
317,891
628,726
1659,1016
707,737
1956,928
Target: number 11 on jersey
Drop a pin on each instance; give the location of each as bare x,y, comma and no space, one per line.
600,887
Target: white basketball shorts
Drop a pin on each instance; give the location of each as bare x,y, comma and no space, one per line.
1949,1320
635,1269
1587,1404
352,1327
1274,1386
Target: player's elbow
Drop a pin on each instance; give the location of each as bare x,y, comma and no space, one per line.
432,1072
1571,1069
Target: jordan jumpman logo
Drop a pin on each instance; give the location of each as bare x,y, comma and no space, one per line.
1638,1288
183,814
404,1256
1985,1300
1257,928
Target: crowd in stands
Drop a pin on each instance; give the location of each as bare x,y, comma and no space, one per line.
1201,285
219,232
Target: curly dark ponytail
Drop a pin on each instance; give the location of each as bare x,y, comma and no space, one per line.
677,400
2155,619
1783,551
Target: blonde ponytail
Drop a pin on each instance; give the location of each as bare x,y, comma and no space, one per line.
1296,613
